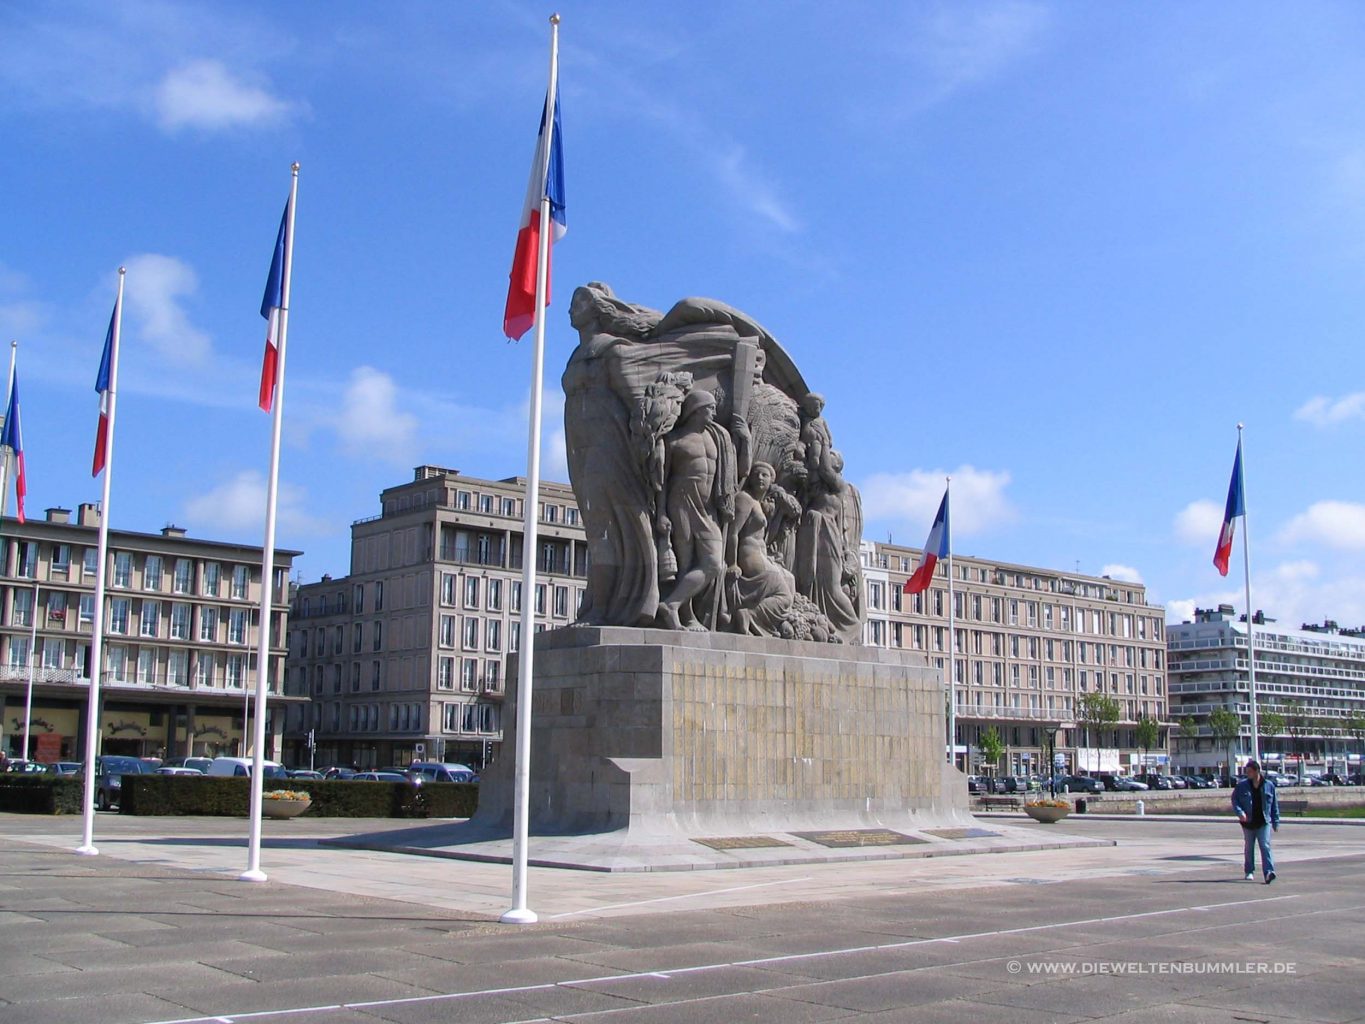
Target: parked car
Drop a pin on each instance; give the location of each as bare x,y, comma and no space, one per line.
109,772
1122,784
337,772
63,768
305,773
1195,782
379,777
241,766
173,769
1334,779
199,764
1080,784
447,771
1154,781
21,767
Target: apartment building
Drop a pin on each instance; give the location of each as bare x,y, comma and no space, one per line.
181,635
1028,642
1312,679
405,656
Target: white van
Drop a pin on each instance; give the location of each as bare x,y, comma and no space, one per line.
241,766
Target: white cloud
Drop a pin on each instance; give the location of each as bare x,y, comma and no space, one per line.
912,498
1326,412
962,45
1199,523
205,94
238,505
1337,524
1180,611
371,423
747,185
1122,573
154,291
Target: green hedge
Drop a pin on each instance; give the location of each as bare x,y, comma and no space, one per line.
185,794
41,794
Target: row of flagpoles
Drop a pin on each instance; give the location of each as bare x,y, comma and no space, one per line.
543,222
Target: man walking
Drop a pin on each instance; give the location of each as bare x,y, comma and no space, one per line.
1258,812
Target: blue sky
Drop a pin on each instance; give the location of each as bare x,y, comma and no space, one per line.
1058,250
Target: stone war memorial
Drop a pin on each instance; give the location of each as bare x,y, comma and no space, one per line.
716,683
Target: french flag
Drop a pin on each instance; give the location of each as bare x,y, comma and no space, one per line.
271,305
1236,507
13,439
935,547
102,389
547,182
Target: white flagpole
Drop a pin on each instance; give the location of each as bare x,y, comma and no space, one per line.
952,659
520,912
253,872
92,713
1251,627
32,653
5,452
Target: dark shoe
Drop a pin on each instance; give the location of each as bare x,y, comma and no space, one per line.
1270,878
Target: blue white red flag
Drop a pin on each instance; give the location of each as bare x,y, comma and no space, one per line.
1236,506
271,305
935,547
547,181
13,439
102,389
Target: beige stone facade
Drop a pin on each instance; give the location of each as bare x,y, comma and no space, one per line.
181,636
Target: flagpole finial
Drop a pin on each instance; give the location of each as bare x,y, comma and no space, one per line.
1239,426
122,271
294,167
554,19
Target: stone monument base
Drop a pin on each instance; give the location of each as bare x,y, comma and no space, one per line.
658,733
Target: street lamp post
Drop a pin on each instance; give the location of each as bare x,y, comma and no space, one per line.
1051,730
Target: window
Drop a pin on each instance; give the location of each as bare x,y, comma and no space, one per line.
180,622
486,503
23,608
375,677
462,500
379,596
492,676
514,638
213,575
28,559
445,673
56,609
561,602
509,506
123,569
446,636
377,643
120,608
61,558
357,637
177,668
358,596
551,514
151,618
118,663
493,635
203,669
571,516
151,573
471,591
448,585
241,576
208,624
469,675
18,652
540,598
237,620
471,633
146,666
183,581
90,560
495,595
516,595
236,671
338,641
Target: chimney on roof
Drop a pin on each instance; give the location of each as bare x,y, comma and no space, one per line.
171,530
59,515
88,514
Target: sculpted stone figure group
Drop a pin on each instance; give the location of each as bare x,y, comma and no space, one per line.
710,490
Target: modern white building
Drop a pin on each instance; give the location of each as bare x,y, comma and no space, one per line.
1313,677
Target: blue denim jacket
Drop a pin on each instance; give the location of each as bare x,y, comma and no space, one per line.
1241,801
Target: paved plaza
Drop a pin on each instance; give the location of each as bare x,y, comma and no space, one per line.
1159,926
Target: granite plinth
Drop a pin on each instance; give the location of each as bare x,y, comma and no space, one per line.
666,733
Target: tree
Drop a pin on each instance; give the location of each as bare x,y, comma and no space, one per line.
1297,725
1189,732
1270,723
1226,727
1148,733
1355,725
1096,711
992,749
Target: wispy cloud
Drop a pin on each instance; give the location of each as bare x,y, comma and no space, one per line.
156,289
753,189
205,94
1328,412
371,422
1199,523
1123,573
911,499
1335,524
238,505
958,46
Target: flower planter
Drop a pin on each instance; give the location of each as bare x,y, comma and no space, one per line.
284,808
1045,814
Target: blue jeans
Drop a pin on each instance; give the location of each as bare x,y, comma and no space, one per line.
1252,838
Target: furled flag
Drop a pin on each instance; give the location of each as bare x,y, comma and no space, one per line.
1236,507
13,439
271,304
935,547
547,181
102,389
